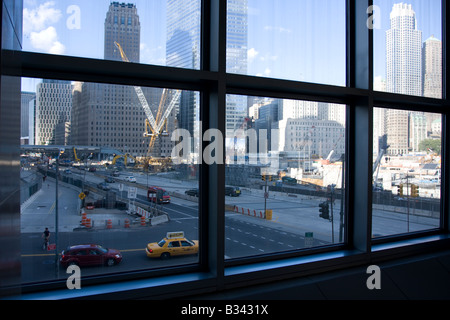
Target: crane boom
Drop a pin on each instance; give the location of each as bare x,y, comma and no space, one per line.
168,110
146,107
139,93
161,118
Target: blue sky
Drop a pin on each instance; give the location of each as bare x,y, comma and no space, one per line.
290,39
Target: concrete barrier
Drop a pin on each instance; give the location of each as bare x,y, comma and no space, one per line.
159,219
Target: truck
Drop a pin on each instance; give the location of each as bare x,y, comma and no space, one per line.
158,195
289,180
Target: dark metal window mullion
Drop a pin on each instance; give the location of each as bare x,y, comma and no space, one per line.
360,124
445,171
213,101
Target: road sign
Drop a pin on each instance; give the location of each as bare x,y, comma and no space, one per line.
120,186
81,196
309,239
132,192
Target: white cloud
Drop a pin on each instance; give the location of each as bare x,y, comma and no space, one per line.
152,55
277,29
47,40
251,54
38,19
266,73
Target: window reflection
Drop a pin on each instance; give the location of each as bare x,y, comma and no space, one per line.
406,171
157,32
99,166
288,39
284,178
408,47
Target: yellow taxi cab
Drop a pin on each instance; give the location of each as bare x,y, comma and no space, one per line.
174,244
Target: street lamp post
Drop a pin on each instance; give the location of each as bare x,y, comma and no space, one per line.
57,213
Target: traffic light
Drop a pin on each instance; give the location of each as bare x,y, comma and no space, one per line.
267,177
324,210
414,190
263,177
400,190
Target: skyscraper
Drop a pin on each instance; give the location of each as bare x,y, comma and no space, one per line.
183,33
112,115
404,52
53,108
237,34
403,72
122,25
432,68
183,50
27,117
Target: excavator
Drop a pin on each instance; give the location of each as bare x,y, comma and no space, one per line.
158,126
125,158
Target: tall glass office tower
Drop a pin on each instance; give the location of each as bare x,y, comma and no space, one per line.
237,34
183,50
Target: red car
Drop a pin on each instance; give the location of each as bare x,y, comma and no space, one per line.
89,255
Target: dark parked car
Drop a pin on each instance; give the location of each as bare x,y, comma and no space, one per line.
109,180
232,191
103,186
192,192
89,255
115,173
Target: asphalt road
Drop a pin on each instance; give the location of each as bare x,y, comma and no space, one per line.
245,235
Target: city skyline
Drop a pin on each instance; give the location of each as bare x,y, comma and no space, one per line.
275,42
188,55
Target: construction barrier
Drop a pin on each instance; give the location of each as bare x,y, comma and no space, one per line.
127,223
83,218
109,224
143,221
255,214
88,223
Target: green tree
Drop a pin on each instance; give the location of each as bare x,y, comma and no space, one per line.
433,144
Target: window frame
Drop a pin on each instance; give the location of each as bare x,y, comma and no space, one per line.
213,273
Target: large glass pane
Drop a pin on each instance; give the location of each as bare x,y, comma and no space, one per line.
156,32
288,39
284,178
406,171
100,167
407,47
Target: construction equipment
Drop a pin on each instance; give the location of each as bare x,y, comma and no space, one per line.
125,158
383,146
156,126
161,119
75,155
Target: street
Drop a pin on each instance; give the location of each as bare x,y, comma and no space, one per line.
295,224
